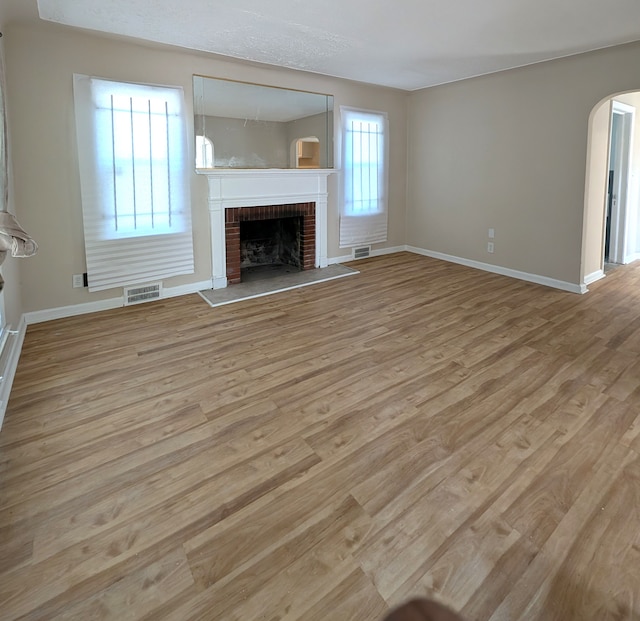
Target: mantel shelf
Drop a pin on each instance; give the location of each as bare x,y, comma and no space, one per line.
224,172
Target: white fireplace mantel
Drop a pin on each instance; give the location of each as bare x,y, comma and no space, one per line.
230,188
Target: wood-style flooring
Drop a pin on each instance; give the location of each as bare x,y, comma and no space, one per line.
326,453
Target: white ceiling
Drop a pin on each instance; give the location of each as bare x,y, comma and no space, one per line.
406,44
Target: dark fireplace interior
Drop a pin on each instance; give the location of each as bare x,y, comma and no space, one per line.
270,246
269,240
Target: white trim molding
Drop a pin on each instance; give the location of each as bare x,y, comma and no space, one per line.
62,312
194,287
503,271
13,348
597,275
254,188
374,253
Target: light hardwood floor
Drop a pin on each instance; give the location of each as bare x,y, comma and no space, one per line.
326,453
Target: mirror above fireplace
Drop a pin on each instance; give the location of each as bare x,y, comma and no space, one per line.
252,126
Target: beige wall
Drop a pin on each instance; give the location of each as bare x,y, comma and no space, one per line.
509,151
40,62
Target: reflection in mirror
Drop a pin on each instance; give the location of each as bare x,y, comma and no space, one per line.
241,125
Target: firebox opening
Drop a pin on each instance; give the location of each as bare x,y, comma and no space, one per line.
270,247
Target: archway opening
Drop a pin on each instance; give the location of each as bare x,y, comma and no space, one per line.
611,228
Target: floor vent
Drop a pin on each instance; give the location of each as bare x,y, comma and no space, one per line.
361,253
146,293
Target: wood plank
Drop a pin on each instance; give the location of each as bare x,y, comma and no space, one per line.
421,428
146,589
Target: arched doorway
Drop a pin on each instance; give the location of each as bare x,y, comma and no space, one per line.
611,231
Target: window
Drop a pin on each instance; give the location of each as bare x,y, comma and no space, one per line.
134,181
204,152
138,134
364,169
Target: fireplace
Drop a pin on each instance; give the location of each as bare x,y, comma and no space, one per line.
269,235
236,193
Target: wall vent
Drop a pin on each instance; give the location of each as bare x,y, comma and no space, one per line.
146,293
361,253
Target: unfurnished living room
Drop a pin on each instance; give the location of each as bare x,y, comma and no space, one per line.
319,311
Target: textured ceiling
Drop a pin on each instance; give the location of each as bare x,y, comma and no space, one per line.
406,44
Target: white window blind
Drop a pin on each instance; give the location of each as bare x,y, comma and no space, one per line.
134,167
363,217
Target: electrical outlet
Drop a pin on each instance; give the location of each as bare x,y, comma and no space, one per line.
78,281
490,247
492,233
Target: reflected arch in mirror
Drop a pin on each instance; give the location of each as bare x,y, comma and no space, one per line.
305,152
204,152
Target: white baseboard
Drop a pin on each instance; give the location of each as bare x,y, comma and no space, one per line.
503,271
61,312
382,251
100,305
168,292
374,253
597,275
193,287
218,283
630,258
14,347
335,260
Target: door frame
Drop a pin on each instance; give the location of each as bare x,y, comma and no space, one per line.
619,210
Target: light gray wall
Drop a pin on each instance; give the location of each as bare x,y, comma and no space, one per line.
311,126
509,151
240,143
41,59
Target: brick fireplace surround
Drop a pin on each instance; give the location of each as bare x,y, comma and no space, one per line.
235,215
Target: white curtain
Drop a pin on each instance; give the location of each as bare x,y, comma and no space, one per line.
13,237
134,176
4,159
364,166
